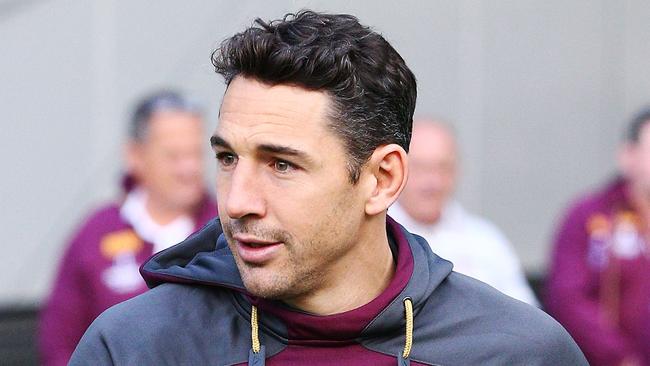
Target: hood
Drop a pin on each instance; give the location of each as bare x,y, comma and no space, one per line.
205,259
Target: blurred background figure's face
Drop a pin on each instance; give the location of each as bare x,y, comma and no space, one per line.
168,163
432,172
635,162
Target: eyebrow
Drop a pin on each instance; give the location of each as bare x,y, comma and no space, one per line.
282,150
216,140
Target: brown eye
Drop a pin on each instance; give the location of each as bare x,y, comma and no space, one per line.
226,159
282,166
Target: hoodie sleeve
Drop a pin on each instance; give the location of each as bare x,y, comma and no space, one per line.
568,297
92,349
64,318
551,347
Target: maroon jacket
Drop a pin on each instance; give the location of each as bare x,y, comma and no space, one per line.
99,269
599,281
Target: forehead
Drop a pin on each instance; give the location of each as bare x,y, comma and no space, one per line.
644,132
252,109
173,126
431,142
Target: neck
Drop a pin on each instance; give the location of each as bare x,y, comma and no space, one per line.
357,279
162,213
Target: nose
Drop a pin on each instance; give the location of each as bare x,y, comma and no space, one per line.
244,197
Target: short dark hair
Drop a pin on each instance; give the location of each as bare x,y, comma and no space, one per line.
636,125
372,90
155,102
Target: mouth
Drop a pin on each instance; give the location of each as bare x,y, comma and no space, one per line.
254,244
256,251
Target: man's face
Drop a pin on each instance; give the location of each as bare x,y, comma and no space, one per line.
636,161
432,172
168,163
288,210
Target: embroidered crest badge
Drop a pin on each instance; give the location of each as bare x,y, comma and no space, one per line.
122,248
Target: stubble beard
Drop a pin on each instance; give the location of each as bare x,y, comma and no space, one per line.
278,281
303,268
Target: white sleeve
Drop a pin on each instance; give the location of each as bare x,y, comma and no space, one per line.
508,274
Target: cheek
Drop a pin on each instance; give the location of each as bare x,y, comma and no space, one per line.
157,165
221,190
449,183
645,163
641,167
427,183
297,212
167,172
309,211
409,195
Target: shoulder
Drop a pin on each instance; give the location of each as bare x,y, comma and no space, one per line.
165,306
100,220
584,205
99,223
484,228
487,239
572,226
105,211
206,211
587,204
465,314
170,324
472,223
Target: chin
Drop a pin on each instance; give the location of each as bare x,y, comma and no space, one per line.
265,291
189,199
267,286
429,217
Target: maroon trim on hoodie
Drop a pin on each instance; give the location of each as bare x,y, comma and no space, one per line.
347,355
309,329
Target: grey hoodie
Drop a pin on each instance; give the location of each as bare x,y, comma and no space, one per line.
199,313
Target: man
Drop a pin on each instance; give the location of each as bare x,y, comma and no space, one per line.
165,202
311,150
599,281
475,246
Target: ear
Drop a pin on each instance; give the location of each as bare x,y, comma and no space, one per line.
133,157
387,172
625,158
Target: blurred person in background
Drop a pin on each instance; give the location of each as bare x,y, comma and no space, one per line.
475,246
599,280
164,201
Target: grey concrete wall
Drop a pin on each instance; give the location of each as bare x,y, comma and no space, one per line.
538,91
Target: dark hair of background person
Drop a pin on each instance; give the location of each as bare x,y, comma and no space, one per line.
163,100
372,90
638,122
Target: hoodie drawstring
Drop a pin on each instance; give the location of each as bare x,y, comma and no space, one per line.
256,355
403,359
255,330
